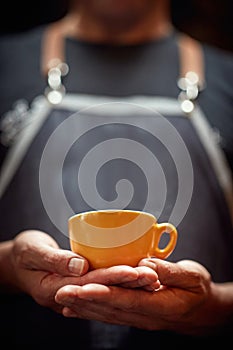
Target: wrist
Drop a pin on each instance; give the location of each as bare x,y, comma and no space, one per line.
8,276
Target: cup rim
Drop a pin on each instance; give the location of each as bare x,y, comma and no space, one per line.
112,211
102,237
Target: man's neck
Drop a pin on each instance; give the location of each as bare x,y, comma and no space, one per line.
153,23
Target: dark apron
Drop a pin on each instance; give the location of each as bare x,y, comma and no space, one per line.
124,154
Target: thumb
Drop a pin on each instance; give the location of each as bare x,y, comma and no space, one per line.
62,262
35,250
185,274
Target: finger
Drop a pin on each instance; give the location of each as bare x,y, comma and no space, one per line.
69,295
111,276
110,296
147,279
106,313
111,303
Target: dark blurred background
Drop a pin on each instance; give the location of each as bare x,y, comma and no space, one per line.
209,21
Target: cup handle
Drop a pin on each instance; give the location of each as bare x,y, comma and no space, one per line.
160,229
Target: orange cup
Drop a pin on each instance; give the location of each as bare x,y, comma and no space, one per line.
119,237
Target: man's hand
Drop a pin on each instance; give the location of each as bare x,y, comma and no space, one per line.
187,301
34,264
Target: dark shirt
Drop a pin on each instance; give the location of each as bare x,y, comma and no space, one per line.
138,71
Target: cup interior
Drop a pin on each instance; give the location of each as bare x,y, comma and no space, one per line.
110,218
109,228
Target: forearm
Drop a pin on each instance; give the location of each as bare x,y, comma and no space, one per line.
213,316
7,271
216,317
224,304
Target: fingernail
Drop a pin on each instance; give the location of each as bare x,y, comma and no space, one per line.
149,288
152,288
75,266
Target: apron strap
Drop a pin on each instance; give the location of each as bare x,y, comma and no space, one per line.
191,77
191,58
52,65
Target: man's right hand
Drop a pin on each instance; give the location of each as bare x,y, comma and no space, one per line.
34,264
